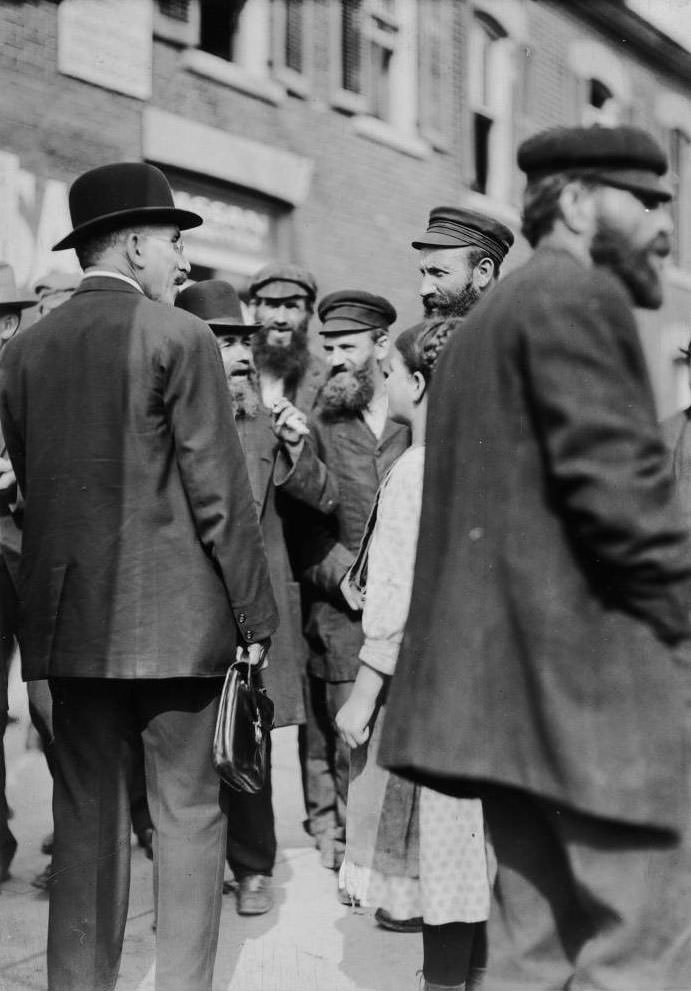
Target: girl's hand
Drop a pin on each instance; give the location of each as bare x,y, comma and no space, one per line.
353,718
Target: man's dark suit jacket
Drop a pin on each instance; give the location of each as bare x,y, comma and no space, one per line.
553,568
142,555
288,659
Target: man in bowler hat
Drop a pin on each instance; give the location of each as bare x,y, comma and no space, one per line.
12,304
143,575
251,846
461,254
334,470
540,668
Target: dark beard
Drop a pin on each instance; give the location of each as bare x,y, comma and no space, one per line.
455,305
611,249
244,397
288,364
348,392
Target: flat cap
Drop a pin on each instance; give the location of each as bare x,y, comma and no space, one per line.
451,227
625,157
282,281
350,311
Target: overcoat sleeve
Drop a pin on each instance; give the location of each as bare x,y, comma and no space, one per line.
588,387
214,475
308,478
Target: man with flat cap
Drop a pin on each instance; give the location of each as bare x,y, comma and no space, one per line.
282,297
143,575
334,471
461,253
12,304
552,585
251,845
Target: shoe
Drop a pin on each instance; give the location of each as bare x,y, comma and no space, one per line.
254,895
387,921
42,881
47,845
346,899
145,840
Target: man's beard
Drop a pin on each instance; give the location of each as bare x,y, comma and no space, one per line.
455,304
288,364
244,396
348,392
611,249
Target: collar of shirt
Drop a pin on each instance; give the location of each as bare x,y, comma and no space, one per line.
375,415
93,273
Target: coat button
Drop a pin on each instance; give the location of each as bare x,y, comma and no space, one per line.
249,635
242,618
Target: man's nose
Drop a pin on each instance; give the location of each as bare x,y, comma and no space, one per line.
427,286
665,223
184,264
336,360
280,315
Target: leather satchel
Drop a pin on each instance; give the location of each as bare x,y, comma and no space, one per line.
245,718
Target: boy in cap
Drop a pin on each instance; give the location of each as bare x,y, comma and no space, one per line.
461,253
143,575
282,296
335,472
251,845
552,585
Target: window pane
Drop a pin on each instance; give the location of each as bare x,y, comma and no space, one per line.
218,26
351,46
381,84
481,128
176,9
294,34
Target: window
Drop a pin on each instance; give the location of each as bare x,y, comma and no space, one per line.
294,36
602,106
177,10
435,70
292,32
491,104
369,32
600,85
218,27
680,179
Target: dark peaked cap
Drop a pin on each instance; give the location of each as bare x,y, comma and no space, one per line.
625,157
350,311
450,227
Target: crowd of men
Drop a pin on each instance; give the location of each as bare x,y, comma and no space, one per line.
186,481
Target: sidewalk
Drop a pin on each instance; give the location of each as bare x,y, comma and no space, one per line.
308,942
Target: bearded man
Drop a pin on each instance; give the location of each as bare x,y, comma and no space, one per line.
282,298
461,253
541,665
335,471
251,843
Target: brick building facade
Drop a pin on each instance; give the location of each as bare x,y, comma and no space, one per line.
324,130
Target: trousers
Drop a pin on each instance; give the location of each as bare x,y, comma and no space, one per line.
582,903
98,724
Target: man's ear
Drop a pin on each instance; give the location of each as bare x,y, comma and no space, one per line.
133,249
382,346
483,273
577,207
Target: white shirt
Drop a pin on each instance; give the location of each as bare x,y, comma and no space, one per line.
92,273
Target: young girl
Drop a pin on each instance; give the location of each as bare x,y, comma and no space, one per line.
440,872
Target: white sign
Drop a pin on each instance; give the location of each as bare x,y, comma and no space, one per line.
106,43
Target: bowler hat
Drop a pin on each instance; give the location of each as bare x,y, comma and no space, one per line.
625,157
450,227
113,196
217,303
283,281
10,299
351,311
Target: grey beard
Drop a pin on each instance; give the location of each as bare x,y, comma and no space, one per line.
244,397
609,249
455,305
348,392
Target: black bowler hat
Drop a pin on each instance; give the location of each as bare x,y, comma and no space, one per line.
450,227
113,196
350,311
217,303
625,157
281,281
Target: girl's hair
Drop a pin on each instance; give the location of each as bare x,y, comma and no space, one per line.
421,345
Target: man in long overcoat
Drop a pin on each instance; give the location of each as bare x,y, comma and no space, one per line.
143,573
538,667
251,846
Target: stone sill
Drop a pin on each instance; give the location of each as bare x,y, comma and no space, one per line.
232,75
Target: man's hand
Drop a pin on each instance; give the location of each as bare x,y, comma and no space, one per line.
254,654
289,424
7,476
354,598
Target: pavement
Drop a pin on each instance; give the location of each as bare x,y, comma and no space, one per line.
308,942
